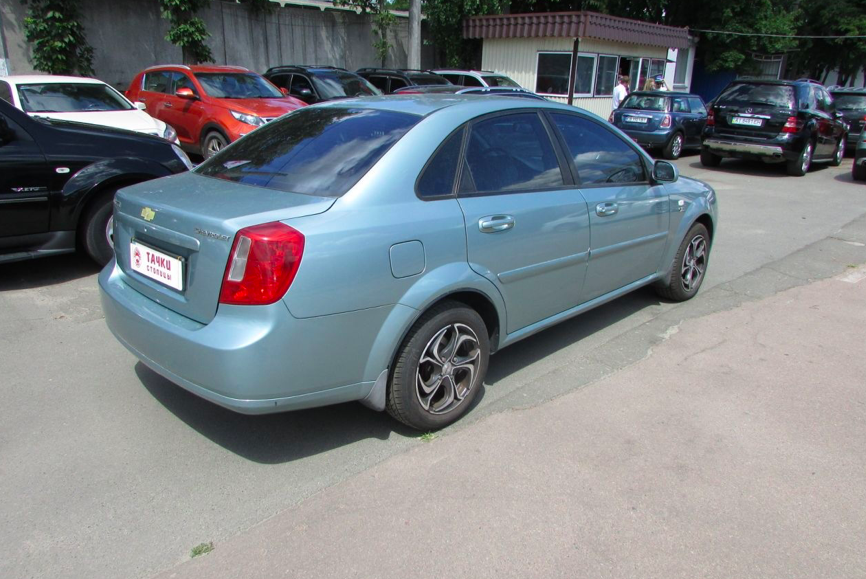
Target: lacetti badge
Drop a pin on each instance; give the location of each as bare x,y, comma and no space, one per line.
148,214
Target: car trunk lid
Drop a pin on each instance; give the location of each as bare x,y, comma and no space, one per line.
756,110
193,219
639,120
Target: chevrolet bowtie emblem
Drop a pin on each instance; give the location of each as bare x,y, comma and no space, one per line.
148,214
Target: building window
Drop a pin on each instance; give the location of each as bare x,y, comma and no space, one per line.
605,79
682,66
554,70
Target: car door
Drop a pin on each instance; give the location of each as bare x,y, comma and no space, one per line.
825,145
185,115
629,216
154,90
835,130
24,182
527,228
699,109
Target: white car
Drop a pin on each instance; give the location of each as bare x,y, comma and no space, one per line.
82,100
476,77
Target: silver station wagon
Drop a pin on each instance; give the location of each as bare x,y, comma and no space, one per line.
381,249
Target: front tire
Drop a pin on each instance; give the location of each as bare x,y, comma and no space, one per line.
839,156
689,266
674,148
708,159
440,367
213,143
800,166
97,229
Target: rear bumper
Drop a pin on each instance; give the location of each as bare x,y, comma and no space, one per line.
650,138
250,359
741,148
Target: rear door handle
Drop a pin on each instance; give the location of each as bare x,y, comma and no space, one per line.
494,223
606,209
167,105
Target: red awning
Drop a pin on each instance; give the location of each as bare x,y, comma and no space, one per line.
575,24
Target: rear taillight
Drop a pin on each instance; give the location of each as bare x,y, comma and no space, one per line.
792,125
666,122
262,264
711,118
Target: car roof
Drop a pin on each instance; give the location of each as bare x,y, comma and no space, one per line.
848,90
305,67
197,68
424,104
666,93
48,79
464,71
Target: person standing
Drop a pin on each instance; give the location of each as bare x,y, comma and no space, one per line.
620,91
660,83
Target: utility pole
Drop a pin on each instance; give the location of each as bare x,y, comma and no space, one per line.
415,34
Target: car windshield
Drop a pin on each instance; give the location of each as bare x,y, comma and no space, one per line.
645,103
233,85
316,151
499,80
337,84
428,79
849,102
70,97
773,95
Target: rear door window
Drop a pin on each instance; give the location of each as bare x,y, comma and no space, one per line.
437,179
380,82
680,105
697,106
512,153
470,81
773,95
315,151
158,81
600,156
397,83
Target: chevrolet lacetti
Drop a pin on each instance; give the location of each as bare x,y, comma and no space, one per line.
381,249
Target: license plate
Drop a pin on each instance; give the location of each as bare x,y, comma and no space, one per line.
747,121
637,119
156,265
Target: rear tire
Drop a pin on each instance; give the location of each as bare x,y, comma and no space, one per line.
800,166
213,143
708,159
689,266
839,156
858,172
97,229
674,147
440,367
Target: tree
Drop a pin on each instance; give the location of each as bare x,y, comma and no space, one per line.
445,18
817,57
59,43
380,10
187,31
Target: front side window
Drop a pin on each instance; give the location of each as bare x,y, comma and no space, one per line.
438,177
605,78
315,151
336,84
680,105
697,105
236,85
512,153
380,82
397,83
159,81
600,156
183,81
70,97
299,85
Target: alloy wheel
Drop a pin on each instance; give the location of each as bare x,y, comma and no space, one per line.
677,145
840,152
214,146
806,159
448,368
694,263
109,232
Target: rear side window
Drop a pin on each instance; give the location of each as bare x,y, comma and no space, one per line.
315,151
380,82
471,81
773,95
697,105
680,105
512,153
157,81
397,83
844,102
438,177
600,156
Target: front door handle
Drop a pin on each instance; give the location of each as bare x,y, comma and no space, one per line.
606,209
167,105
494,223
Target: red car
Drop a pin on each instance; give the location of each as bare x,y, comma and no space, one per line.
209,106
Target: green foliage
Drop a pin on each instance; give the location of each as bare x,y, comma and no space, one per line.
187,31
819,56
57,37
445,18
382,21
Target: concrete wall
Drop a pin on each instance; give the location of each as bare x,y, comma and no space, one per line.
129,35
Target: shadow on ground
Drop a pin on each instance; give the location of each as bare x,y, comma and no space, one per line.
753,168
45,271
289,436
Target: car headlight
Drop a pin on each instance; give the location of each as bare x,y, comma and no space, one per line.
169,134
182,156
248,119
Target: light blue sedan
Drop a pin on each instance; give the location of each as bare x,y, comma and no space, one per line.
381,249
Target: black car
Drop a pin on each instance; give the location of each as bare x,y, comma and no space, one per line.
473,90
851,102
791,122
670,121
58,178
313,84
389,80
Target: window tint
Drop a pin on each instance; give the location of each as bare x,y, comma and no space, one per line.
643,102
846,102
300,83
512,152
424,79
20,134
336,84
499,80
600,156
70,97
680,105
471,81
380,82
438,176
697,105
183,81
233,85
605,78
5,92
774,95
157,81
554,70
829,105
316,151
281,80
453,78
397,83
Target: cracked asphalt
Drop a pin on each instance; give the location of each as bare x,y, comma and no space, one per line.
108,470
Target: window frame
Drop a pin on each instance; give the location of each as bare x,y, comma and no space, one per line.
169,74
457,172
594,56
570,158
595,92
561,158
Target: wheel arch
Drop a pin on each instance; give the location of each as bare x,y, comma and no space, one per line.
210,127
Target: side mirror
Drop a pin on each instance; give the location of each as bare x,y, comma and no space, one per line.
141,106
305,92
664,172
185,93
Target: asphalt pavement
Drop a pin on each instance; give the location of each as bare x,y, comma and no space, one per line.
107,470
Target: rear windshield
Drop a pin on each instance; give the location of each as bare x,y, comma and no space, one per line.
774,95
849,102
70,98
428,79
316,151
645,103
337,84
499,80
